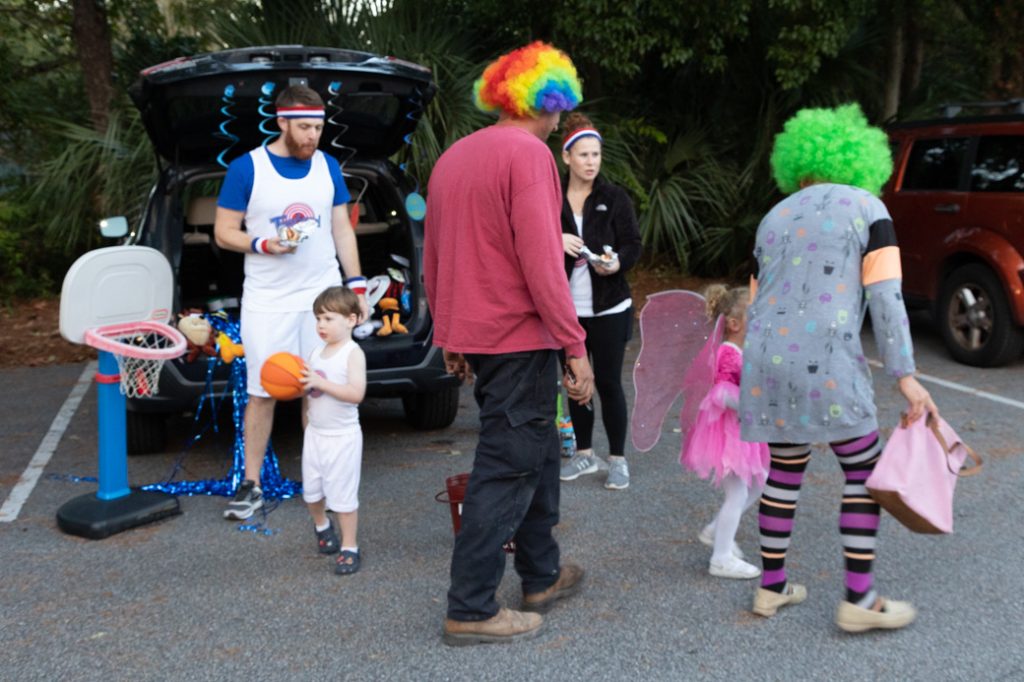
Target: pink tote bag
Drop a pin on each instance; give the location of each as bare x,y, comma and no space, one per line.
917,472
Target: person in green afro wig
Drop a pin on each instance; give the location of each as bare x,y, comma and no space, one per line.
821,254
831,145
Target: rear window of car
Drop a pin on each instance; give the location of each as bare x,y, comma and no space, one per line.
999,164
935,164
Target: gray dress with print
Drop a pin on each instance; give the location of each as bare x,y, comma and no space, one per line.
824,255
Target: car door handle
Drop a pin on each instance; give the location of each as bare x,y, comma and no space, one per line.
947,208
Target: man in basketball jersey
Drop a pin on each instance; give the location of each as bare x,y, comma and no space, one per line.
284,189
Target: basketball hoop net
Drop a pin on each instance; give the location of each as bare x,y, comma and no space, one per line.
141,348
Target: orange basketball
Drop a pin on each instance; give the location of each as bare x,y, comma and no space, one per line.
280,375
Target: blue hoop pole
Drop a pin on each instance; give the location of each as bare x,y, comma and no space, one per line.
113,439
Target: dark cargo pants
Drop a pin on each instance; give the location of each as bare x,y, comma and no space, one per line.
513,489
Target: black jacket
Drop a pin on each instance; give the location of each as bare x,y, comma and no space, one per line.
608,218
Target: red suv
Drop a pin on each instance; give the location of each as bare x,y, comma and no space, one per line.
957,199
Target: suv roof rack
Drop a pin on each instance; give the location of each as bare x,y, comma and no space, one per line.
951,109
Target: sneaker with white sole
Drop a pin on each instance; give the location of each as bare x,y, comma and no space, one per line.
579,465
247,501
707,537
618,474
734,568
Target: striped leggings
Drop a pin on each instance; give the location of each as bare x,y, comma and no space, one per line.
858,515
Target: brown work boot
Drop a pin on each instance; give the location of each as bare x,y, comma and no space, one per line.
506,626
570,578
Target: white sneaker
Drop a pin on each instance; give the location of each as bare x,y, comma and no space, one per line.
734,568
707,537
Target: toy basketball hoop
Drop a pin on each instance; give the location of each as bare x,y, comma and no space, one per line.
140,348
118,301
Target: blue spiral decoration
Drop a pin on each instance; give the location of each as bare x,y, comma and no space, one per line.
229,101
334,108
414,114
265,102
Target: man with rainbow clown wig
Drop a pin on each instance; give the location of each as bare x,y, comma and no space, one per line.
503,311
293,202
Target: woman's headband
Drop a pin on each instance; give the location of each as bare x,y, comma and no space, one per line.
577,134
299,111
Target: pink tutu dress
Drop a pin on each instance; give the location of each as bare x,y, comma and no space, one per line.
713,444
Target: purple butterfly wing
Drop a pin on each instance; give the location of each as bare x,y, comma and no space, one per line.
673,331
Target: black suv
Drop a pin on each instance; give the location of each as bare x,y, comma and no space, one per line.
203,110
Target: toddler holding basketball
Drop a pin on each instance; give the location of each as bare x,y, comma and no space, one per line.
332,449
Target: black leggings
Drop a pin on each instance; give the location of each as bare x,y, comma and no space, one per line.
606,346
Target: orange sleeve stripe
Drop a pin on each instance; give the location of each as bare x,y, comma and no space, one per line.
880,265
753,288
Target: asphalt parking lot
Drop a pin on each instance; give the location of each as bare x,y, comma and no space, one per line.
194,597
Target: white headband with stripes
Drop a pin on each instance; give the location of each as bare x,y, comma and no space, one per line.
300,112
582,132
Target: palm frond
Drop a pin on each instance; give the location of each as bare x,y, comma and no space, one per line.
96,174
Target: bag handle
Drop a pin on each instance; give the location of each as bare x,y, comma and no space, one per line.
933,424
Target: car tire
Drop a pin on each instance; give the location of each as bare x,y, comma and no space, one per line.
434,410
147,432
975,320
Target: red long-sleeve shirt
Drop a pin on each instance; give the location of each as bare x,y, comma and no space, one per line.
492,259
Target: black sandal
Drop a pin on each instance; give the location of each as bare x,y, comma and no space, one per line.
327,540
346,563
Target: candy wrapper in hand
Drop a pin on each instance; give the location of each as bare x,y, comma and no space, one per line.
293,235
605,259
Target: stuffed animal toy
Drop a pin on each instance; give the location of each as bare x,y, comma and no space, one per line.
389,317
199,334
229,350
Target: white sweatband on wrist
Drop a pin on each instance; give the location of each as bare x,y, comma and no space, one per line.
356,284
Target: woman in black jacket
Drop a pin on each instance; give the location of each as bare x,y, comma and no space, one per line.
595,214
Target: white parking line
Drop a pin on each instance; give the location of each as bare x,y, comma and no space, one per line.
963,389
23,488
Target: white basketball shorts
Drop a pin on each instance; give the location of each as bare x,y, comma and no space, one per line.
264,334
331,465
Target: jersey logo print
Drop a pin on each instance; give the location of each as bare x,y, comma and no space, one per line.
295,215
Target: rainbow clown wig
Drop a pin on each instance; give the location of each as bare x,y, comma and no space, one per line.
528,82
831,145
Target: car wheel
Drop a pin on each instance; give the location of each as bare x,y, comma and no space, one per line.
147,432
975,319
434,410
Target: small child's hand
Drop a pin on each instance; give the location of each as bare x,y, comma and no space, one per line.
311,380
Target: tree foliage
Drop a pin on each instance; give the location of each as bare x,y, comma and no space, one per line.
688,95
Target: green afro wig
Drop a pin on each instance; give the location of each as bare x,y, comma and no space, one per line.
831,145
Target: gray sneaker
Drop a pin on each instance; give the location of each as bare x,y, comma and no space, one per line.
577,466
247,500
618,474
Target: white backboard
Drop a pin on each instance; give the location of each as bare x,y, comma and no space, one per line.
115,284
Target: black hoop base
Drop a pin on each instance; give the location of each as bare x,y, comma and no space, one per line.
90,517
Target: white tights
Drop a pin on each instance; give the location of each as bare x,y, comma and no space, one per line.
738,499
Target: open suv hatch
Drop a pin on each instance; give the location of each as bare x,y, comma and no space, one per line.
201,110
